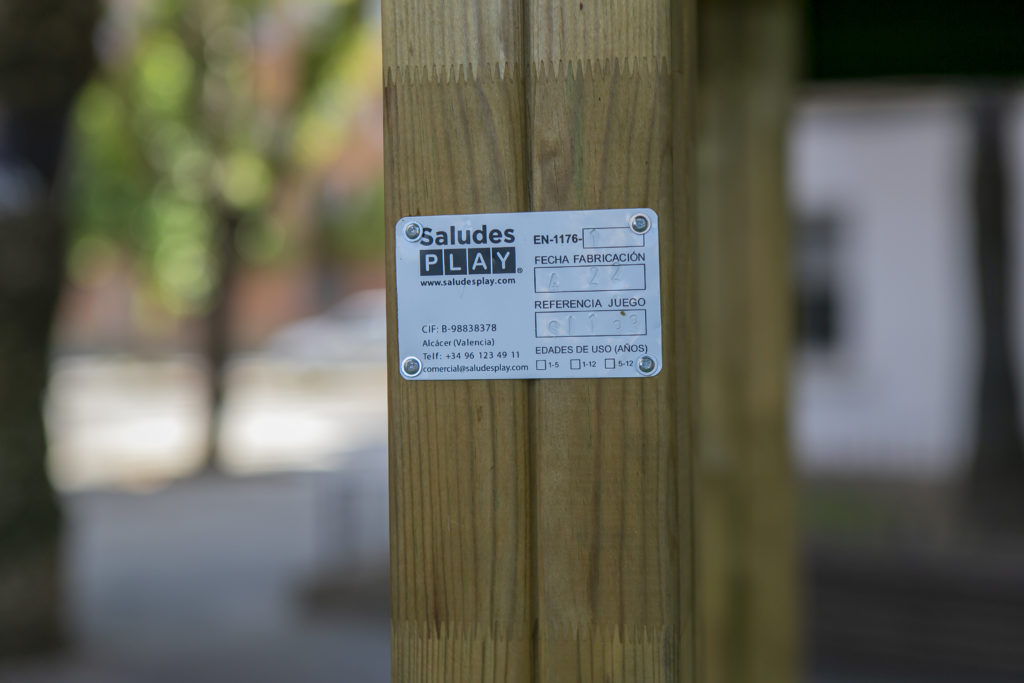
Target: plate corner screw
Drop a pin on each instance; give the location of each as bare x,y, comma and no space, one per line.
411,366
412,231
639,224
646,365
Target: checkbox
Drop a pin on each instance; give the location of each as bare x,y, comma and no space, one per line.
574,364
542,365
609,363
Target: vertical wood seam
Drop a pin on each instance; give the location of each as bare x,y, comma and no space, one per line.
531,392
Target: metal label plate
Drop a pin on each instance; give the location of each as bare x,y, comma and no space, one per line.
565,294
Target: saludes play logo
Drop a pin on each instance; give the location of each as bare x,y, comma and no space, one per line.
481,259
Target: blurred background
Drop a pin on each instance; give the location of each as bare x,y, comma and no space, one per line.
194,189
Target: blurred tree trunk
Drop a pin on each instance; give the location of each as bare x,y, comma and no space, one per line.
997,476
45,56
339,28
218,328
212,123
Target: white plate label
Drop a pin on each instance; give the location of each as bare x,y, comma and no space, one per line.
541,295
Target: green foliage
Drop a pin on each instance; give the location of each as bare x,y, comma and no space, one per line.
355,225
205,109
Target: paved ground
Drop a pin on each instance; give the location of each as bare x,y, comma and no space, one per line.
201,582
173,578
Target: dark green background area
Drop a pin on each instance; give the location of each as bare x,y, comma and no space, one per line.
914,38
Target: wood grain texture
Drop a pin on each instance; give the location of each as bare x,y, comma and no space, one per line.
744,488
613,542
461,571
599,30
452,33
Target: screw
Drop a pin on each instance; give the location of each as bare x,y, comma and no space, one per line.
639,224
411,366
413,231
647,365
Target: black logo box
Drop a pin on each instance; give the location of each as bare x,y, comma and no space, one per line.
482,261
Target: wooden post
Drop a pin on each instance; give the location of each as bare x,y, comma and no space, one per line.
543,531
746,545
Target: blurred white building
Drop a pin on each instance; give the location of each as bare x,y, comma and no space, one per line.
885,369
